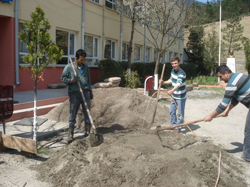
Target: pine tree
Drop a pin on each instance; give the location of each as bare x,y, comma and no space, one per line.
246,44
211,48
41,51
233,34
195,44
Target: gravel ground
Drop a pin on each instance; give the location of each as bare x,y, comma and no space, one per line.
187,152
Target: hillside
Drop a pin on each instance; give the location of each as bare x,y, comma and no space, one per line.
239,55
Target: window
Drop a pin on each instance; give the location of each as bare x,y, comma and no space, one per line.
171,26
150,22
164,57
124,52
111,4
170,56
156,53
137,54
147,54
179,44
158,24
96,1
175,54
66,41
177,2
109,49
126,10
23,46
180,57
91,48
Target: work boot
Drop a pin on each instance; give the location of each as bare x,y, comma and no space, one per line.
87,129
71,134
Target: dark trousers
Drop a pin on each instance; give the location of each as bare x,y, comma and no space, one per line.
76,100
246,146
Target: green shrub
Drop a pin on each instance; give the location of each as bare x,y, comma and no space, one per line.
203,80
111,68
132,81
190,70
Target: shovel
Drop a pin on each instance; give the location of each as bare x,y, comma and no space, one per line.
182,124
158,93
95,138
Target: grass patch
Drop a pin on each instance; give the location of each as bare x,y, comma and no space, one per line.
43,151
203,80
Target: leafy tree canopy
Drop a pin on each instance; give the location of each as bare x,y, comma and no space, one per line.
41,50
230,8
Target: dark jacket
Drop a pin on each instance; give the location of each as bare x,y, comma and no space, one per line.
68,74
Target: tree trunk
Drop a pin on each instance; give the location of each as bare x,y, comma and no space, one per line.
35,115
156,74
130,47
159,88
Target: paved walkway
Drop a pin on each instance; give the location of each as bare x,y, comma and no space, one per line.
28,96
48,128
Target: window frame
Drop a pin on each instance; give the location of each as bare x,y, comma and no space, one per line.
22,53
126,10
95,44
181,56
136,55
68,43
170,56
156,54
126,52
163,57
112,50
94,1
148,51
113,4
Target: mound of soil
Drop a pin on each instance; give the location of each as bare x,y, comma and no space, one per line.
141,159
133,155
117,108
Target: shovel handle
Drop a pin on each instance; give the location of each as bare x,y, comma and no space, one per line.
183,124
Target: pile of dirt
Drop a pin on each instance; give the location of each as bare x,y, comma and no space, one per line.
117,108
141,159
130,156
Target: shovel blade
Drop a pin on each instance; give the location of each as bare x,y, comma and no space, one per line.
95,139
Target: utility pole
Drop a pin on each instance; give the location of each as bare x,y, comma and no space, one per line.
219,39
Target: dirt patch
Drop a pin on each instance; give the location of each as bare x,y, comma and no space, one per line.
131,154
117,108
140,159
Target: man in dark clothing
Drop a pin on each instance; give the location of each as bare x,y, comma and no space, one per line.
75,97
237,90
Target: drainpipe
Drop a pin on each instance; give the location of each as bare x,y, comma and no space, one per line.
145,43
103,33
16,43
121,31
145,36
83,18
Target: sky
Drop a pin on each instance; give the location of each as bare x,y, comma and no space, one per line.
204,1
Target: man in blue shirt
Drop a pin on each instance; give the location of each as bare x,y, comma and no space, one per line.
237,90
75,97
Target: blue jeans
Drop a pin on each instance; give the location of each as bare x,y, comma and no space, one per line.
176,118
75,99
246,145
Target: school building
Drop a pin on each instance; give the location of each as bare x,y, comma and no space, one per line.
93,25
